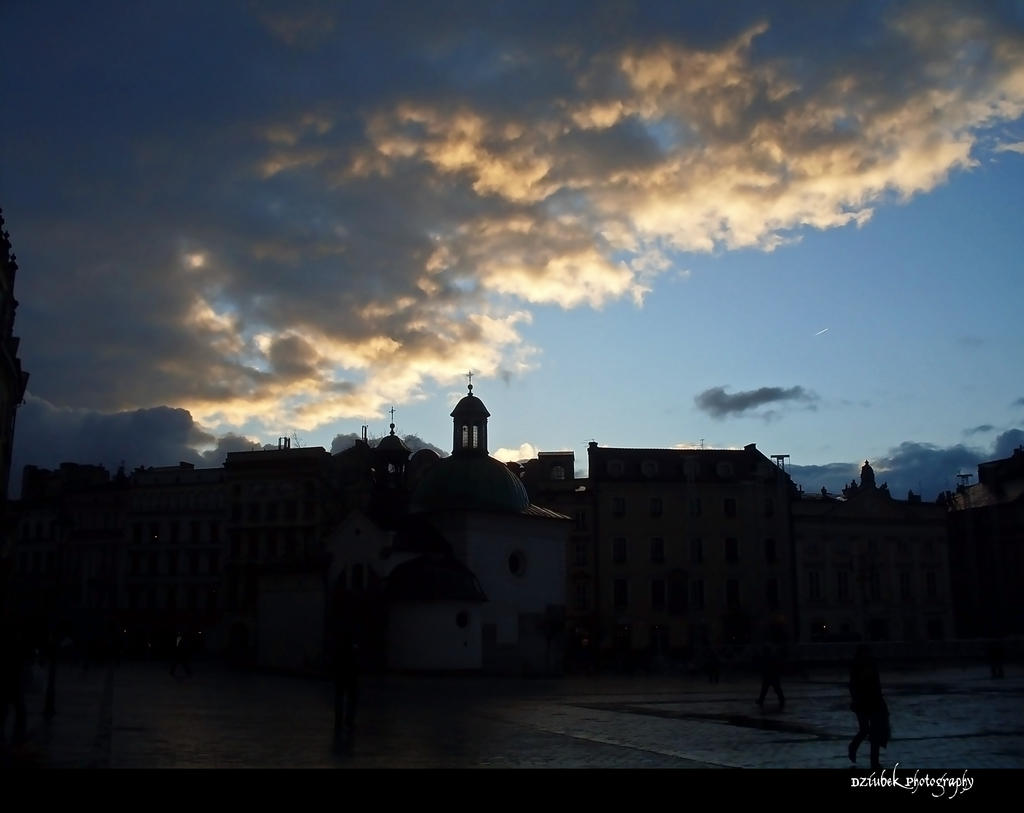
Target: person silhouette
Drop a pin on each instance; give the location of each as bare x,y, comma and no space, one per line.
181,655
13,660
868,703
346,682
771,675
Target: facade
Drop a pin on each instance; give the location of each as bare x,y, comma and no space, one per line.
689,549
172,567
870,567
281,503
514,550
986,533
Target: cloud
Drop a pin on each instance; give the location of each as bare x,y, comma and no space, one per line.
300,218
1018,402
413,442
924,468
526,451
1006,443
980,429
160,436
1017,146
719,404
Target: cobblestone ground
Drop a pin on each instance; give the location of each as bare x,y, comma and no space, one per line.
137,716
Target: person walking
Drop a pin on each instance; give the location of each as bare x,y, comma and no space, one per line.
771,675
346,683
868,703
13,664
181,655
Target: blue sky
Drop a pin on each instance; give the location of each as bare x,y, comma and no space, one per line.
638,223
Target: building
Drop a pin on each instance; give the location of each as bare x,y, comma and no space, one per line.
281,504
870,567
986,533
13,381
172,566
689,548
514,549
69,551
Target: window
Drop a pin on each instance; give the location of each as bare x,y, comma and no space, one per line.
732,550
649,468
581,595
254,512
732,593
905,594
558,472
193,532
618,506
931,584
696,551
214,562
729,506
770,554
581,553
771,593
621,594
581,520
658,594
619,551
174,530
615,468
656,506
657,549
677,597
697,594
695,508
843,585
769,507
875,584
814,585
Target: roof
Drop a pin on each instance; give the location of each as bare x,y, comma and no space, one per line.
470,483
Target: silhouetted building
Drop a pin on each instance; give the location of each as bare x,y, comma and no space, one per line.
986,530
69,552
870,567
690,548
281,503
13,381
174,554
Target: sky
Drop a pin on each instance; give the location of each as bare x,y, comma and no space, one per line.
643,224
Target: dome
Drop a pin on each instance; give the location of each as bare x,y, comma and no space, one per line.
470,407
392,443
470,483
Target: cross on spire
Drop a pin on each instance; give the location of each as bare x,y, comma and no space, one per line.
469,375
392,414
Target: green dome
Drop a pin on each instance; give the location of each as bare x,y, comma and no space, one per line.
470,483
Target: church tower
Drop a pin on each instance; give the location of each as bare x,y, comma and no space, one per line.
470,426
